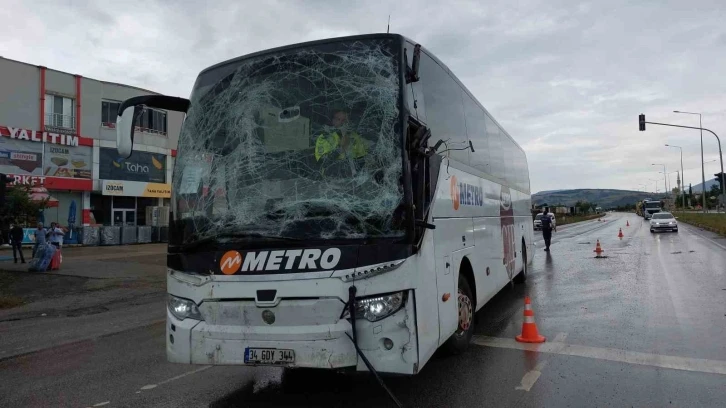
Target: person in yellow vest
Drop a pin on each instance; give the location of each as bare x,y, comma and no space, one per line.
340,143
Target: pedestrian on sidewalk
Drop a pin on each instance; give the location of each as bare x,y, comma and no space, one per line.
40,237
547,227
16,240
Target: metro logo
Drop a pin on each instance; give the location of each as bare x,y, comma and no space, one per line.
466,194
455,192
230,262
286,260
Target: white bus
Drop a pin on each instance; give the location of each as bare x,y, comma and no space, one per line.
334,202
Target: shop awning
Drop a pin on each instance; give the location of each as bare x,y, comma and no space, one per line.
40,194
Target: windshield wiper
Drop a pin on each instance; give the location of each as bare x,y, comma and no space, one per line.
236,235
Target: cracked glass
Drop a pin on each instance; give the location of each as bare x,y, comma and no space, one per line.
303,143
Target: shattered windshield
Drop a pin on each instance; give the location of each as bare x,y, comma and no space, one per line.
304,144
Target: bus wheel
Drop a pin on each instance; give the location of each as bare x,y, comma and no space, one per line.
522,276
459,341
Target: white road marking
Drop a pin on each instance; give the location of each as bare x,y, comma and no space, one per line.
531,377
100,404
198,370
610,354
693,229
152,386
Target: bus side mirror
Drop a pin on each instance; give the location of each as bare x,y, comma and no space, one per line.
413,73
132,108
125,130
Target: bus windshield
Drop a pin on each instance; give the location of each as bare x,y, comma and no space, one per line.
304,143
652,204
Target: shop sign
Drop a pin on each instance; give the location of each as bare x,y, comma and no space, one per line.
53,183
141,166
135,189
38,136
23,157
62,161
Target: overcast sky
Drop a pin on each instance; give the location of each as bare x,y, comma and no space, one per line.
567,79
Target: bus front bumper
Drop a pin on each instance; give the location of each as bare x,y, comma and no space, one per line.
314,346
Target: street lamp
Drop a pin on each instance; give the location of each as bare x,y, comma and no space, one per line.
665,180
656,184
683,177
703,166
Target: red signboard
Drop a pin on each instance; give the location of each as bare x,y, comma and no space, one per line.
53,183
47,137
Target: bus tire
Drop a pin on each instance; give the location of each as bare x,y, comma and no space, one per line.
522,276
459,341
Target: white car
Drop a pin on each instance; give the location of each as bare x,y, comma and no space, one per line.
663,221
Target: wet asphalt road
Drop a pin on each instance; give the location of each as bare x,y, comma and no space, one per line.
645,326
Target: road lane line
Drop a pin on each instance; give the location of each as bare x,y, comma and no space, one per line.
531,377
692,229
610,354
198,370
182,375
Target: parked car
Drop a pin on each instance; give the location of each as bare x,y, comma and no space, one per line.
663,221
538,221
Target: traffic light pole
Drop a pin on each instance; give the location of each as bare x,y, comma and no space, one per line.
720,154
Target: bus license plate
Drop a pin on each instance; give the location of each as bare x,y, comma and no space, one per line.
268,356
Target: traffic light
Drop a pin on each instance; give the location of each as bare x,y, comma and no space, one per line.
641,122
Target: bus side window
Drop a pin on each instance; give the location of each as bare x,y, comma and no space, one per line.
444,108
476,130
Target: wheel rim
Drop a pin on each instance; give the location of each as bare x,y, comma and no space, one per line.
465,313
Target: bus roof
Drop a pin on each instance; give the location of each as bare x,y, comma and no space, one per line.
303,44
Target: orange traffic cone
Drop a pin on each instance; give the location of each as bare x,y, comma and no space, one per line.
627,223
620,234
529,327
598,250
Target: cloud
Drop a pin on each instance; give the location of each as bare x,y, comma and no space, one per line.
565,78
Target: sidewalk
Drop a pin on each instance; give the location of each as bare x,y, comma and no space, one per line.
88,276
105,262
97,291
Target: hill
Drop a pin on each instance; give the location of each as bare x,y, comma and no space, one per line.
605,198
709,183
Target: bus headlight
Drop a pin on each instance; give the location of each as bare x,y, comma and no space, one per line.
183,308
379,307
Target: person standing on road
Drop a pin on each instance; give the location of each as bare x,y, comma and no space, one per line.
40,234
16,240
56,235
547,227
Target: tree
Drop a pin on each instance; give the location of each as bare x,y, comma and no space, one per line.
18,205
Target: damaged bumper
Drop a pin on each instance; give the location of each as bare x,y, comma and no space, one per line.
312,328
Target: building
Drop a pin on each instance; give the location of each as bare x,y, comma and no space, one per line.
58,135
